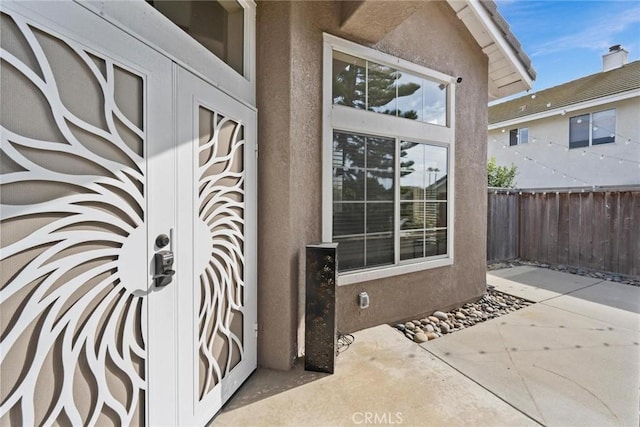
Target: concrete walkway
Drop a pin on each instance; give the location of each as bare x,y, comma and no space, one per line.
571,359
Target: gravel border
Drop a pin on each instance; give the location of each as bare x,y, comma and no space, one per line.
493,304
598,274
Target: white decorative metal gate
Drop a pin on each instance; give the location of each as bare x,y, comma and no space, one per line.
91,174
218,137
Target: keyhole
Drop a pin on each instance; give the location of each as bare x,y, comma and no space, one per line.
162,241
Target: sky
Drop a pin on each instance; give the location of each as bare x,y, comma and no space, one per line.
566,39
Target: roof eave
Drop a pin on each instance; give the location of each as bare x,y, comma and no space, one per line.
508,74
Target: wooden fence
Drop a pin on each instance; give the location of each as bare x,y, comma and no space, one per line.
597,229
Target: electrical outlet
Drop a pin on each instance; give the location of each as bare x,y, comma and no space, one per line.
363,300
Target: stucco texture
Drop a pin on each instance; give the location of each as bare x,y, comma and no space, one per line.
289,99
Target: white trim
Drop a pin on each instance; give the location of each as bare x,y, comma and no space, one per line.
351,48
389,271
483,29
568,109
369,122
366,122
327,142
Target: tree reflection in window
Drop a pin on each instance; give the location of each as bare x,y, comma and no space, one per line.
423,200
363,195
367,85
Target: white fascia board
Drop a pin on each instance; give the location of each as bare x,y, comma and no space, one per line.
502,44
567,109
484,20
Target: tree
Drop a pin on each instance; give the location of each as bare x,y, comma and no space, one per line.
500,176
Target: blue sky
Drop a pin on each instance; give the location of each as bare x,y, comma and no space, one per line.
566,39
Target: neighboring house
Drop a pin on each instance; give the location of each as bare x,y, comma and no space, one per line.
151,259
582,133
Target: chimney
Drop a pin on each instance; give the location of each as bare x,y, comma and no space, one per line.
615,58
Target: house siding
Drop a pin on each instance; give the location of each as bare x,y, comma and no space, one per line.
289,97
580,169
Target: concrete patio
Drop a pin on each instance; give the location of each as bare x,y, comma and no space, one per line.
571,359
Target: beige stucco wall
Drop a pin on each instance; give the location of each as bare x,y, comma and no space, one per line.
289,99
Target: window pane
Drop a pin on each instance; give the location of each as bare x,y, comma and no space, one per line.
513,137
523,136
579,131
436,242
412,245
379,185
412,171
604,127
217,25
435,103
382,89
411,215
348,219
348,150
350,253
435,214
349,74
436,163
379,249
380,162
380,154
410,97
379,217
348,184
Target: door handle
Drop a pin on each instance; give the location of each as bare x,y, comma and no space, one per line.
163,261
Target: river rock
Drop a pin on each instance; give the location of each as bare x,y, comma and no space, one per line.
440,315
420,337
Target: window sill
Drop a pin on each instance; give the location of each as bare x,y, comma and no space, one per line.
396,270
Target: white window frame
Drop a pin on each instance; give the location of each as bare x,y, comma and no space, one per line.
145,23
519,136
590,115
348,119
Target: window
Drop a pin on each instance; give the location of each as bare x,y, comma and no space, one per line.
368,85
218,25
592,129
387,198
518,136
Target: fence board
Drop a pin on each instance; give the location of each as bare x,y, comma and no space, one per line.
563,228
586,229
551,219
608,230
635,234
624,245
539,226
574,229
514,226
599,226
594,229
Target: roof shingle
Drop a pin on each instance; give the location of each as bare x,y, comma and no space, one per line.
587,88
